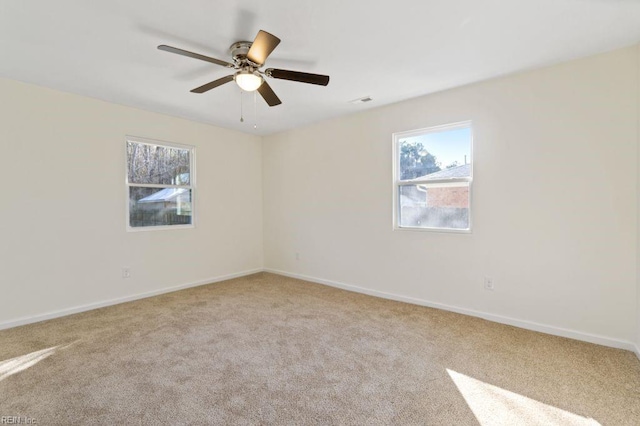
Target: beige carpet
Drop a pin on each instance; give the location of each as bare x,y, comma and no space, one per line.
266,349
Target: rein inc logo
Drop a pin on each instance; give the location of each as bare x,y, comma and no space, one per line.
17,420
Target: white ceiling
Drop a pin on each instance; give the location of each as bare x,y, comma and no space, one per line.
389,50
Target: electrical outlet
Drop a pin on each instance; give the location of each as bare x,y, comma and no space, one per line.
488,283
126,273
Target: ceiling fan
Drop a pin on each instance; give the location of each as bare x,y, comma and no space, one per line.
248,58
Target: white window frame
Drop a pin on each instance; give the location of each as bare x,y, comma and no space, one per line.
441,183
191,186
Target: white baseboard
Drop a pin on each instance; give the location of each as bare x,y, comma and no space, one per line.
556,331
90,306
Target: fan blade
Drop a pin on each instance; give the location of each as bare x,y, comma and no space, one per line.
213,84
262,47
194,55
268,94
303,77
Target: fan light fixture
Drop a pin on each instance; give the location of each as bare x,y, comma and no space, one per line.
248,81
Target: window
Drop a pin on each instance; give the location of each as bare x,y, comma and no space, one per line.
432,178
160,184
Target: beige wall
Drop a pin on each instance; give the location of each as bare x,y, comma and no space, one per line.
555,205
638,207
63,204
554,202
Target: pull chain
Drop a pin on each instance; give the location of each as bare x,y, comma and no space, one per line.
255,109
241,117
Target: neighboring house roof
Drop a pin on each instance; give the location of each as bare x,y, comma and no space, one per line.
452,173
167,195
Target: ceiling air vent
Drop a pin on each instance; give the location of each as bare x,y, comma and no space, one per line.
361,100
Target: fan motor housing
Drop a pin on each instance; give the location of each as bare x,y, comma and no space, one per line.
239,50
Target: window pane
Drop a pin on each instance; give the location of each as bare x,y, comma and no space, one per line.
431,206
159,207
436,152
160,165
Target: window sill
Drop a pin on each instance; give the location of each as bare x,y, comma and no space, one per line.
436,230
158,228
